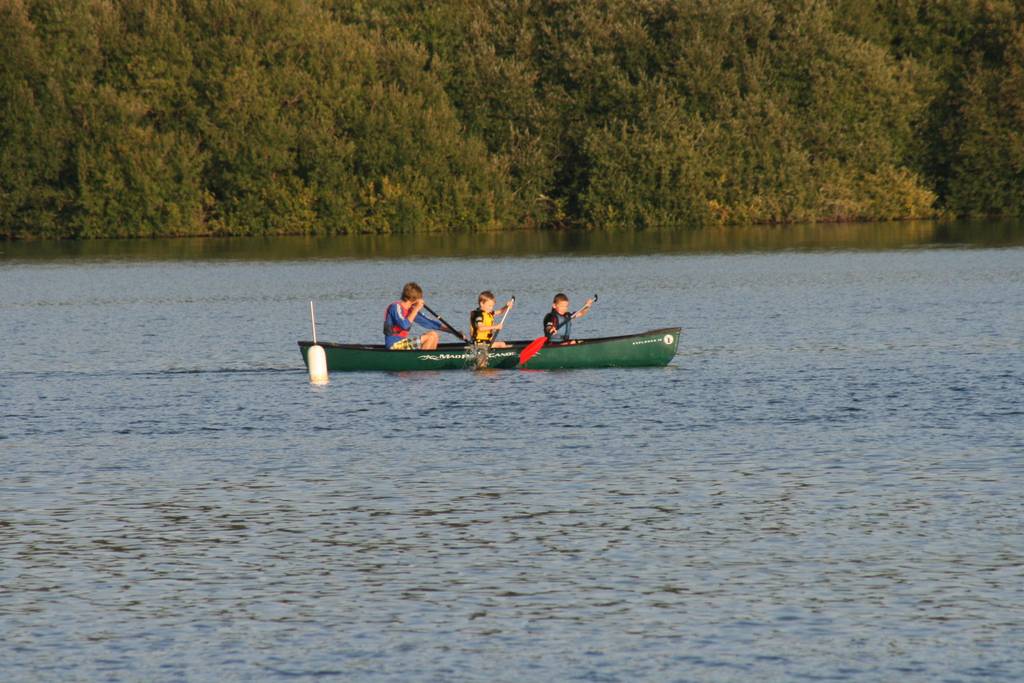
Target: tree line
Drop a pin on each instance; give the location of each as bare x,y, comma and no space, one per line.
258,117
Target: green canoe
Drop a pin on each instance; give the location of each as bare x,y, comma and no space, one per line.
653,348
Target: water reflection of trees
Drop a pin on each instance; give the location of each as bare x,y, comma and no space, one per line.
844,236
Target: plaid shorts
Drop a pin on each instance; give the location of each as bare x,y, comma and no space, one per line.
407,344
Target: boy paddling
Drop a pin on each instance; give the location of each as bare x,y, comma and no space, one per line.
558,323
481,321
401,315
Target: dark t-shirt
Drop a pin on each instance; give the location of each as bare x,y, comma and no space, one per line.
554,320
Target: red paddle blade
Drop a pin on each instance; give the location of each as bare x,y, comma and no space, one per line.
531,349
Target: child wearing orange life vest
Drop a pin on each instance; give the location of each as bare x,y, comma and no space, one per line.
481,321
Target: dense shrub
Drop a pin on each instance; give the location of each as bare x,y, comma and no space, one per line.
142,118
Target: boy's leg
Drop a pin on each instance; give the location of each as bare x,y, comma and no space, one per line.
428,341
499,345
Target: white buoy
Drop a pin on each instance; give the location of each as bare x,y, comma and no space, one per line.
316,359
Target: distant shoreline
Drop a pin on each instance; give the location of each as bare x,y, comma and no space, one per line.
939,219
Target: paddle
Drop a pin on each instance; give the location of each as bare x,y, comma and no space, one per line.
533,347
446,324
502,321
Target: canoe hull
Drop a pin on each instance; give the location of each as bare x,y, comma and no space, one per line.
653,348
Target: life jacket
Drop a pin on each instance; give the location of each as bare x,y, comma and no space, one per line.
564,325
480,318
395,330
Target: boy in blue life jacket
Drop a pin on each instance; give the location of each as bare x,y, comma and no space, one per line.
558,323
400,316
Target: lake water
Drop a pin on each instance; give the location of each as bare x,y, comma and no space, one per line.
824,485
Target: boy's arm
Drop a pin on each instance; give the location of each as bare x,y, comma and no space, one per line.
487,328
586,309
414,312
395,317
429,323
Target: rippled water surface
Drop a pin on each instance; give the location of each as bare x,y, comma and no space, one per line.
826,483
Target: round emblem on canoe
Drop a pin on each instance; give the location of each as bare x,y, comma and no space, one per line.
669,339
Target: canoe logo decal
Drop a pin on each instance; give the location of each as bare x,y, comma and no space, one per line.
668,339
445,356
461,356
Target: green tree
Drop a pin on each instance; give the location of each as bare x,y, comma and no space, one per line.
142,118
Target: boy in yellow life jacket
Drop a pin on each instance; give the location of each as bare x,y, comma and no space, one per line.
481,321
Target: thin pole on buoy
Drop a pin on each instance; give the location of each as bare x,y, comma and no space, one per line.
312,320
316,359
